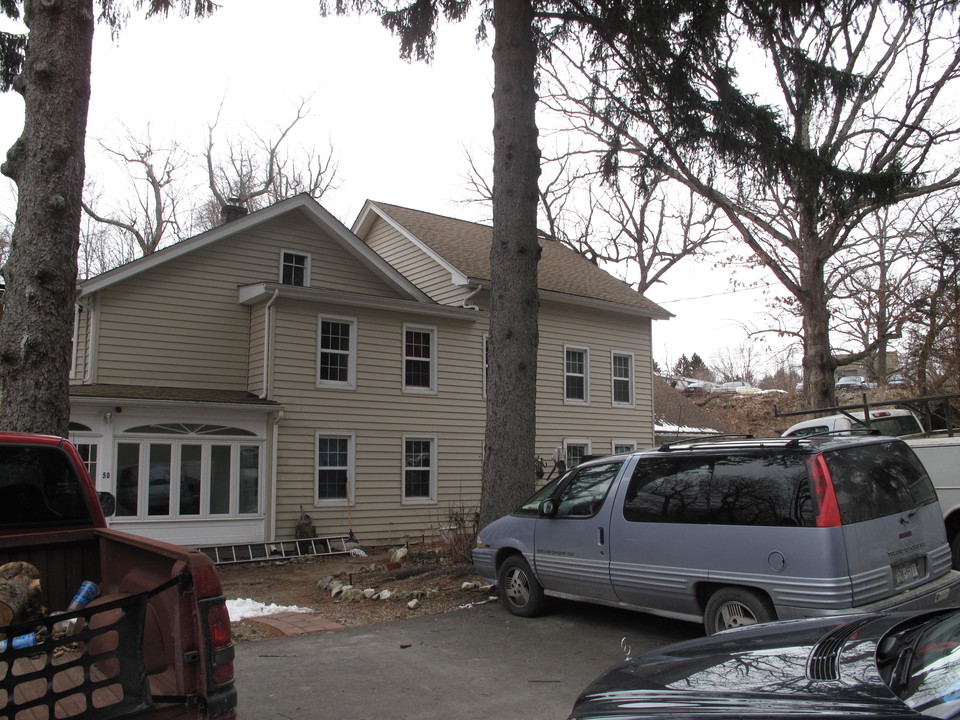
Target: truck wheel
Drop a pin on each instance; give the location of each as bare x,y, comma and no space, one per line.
520,591
732,607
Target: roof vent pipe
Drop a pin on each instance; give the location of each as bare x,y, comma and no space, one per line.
232,211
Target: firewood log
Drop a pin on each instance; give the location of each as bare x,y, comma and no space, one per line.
21,595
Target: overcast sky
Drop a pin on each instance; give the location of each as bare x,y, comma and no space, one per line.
400,131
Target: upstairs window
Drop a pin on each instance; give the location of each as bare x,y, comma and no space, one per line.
294,268
419,359
336,357
622,378
575,373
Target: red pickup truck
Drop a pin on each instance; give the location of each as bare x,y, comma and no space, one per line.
156,641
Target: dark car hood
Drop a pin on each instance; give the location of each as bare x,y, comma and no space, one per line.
825,670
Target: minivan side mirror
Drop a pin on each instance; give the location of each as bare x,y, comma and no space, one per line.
548,508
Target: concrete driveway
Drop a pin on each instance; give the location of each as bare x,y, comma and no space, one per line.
476,664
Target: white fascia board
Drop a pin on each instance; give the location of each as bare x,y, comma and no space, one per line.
260,292
371,212
107,401
303,202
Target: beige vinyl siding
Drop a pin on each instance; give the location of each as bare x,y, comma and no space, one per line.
180,324
419,267
82,335
378,413
258,315
599,420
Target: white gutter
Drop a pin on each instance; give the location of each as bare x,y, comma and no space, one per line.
466,304
273,475
268,342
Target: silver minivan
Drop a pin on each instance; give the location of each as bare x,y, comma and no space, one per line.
730,533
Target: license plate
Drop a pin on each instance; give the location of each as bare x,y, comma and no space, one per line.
907,573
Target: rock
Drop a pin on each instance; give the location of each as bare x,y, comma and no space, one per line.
413,604
337,587
351,593
431,593
369,593
469,586
398,555
326,583
384,595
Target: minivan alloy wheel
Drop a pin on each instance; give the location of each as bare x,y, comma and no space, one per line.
733,607
520,590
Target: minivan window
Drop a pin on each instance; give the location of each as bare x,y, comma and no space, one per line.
668,490
872,481
771,490
532,505
584,494
730,490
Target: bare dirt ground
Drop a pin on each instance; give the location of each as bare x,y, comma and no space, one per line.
429,574
438,584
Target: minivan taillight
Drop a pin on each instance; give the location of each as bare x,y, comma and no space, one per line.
828,511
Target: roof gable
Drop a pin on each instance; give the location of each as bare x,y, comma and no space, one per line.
303,206
464,248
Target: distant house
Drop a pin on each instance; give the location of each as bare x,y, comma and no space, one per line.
282,363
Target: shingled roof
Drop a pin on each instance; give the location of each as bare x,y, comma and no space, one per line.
466,246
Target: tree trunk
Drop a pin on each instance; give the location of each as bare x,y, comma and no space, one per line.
818,362
510,444
47,164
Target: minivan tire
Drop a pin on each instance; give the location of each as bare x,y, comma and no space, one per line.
731,607
520,591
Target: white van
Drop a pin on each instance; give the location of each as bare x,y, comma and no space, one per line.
894,422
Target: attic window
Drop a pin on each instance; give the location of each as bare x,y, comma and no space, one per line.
294,268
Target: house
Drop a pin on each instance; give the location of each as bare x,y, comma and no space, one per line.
282,364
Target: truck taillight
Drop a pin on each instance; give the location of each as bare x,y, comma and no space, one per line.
828,511
206,583
221,644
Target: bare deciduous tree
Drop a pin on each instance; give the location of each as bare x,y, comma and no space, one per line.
850,118
154,196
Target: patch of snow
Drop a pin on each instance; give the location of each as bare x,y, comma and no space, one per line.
244,608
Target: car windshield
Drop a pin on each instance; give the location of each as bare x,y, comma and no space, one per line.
920,661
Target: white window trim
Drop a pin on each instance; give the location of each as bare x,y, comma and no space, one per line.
633,373
351,469
432,500
577,441
586,375
351,384
632,444
306,269
434,352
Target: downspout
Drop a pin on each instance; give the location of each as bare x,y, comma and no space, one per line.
268,342
277,417
466,304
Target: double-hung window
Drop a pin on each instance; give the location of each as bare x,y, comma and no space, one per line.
419,359
294,268
419,469
621,372
576,371
336,354
335,469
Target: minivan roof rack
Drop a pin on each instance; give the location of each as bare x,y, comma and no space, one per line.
667,447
